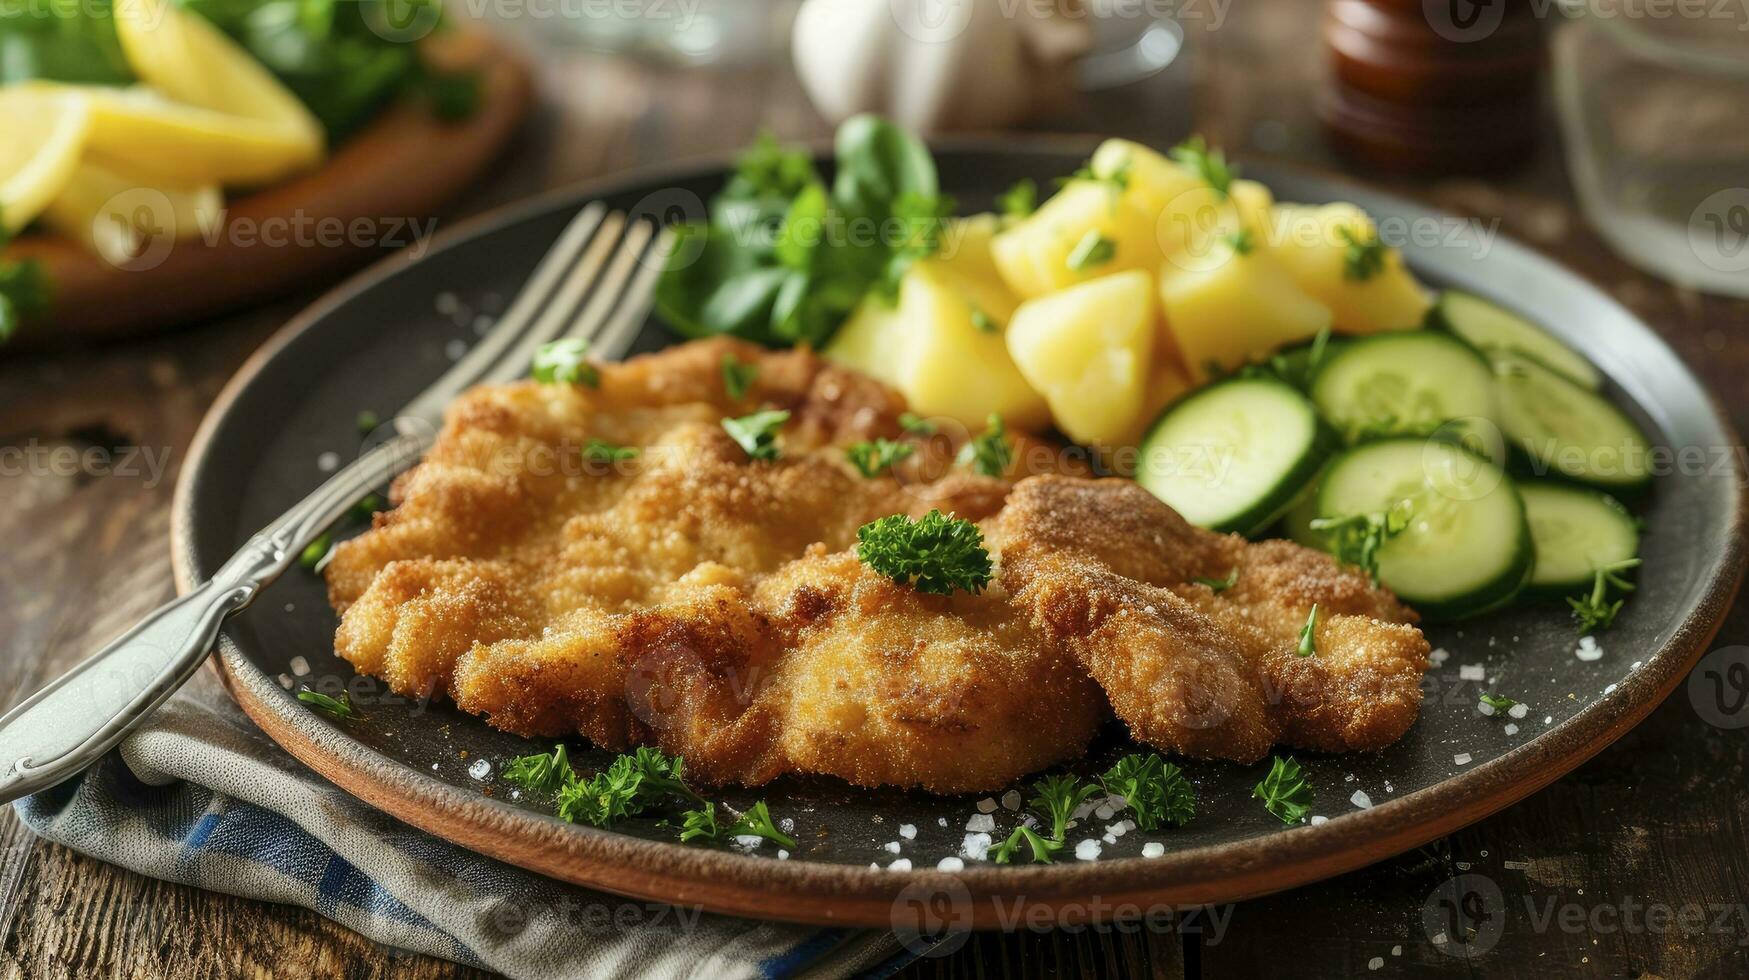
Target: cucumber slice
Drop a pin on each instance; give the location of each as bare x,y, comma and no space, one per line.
1403,383
1568,430
1466,548
1575,530
1233,456
1489,328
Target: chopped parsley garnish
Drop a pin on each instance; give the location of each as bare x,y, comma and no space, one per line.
1211,165
1043,850
561,362
1364,254
738,377
871,459
602,451
1057,799
1594,611
1309,634
1285,792
1093,250
702,824
339,708
1020,200
1155,789
632,784
1356,539
367,508
543,772
983,321
756,434
314,552
989,453
1498,702
915,424
628,787
1242,242
1219,585
1118,179
935,554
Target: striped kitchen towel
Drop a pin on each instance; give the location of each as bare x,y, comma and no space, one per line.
200,796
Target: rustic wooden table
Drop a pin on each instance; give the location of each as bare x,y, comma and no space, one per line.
1582,867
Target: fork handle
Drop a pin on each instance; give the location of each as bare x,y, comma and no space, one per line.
81,715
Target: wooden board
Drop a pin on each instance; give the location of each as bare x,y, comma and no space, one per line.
388,181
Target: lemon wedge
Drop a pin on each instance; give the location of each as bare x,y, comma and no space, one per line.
190,61
138,129
44,135
129,221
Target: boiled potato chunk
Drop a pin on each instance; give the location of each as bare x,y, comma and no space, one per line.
1154,179
941,345
1035,255
1195,224
966,263
1226,315
1314,243
1089,350
955,367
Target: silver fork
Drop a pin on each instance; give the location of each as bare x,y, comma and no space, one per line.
601,262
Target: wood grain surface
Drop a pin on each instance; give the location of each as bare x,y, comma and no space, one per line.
1657,820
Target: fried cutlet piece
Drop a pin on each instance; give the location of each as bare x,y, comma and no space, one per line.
699,601
694,599
1108,571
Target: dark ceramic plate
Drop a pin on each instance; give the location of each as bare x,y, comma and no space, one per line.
378,340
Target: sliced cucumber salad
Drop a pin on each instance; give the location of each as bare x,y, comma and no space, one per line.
1421,496
1569,430
1403,383
1233,456
1491,329
1463,546
1575,532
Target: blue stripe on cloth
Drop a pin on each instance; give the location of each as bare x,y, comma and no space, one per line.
790,963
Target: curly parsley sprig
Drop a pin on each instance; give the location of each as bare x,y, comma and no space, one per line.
871,459
1355,539
989,453
1211,165
1595,611
1285,792
1155,790
935,554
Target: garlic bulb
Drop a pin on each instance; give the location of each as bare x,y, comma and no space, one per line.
936,65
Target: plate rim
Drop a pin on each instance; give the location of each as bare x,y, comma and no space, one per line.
843,894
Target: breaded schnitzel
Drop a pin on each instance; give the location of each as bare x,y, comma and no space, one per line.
712,605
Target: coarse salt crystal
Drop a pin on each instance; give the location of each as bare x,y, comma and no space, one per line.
891,847
981,823
1375,963
1153,849
1588,649
902,864
1472,672
480,769
1360,799
1396,951
1087,850
1011,800
950,864
1316,821
942,821
1518,710
747,842
1439,656
1511,729
1462,758
1109,838
975,847
328,462
1610,689
908,831
1485,708
1103,811
986,805
1118,829
783,855
300,666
